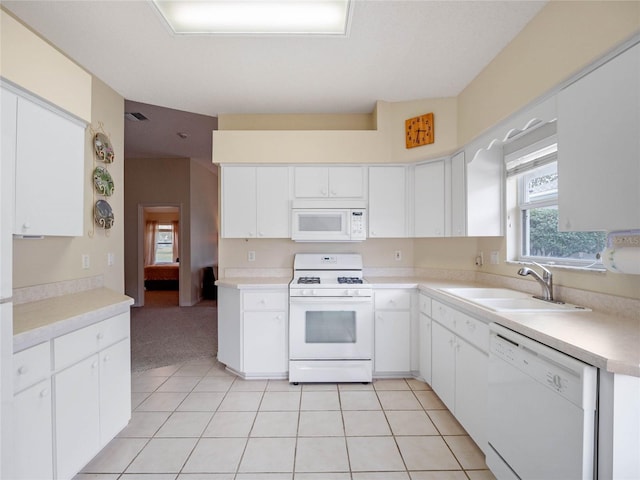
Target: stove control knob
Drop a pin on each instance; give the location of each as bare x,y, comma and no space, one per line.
345,293
356,293
312,292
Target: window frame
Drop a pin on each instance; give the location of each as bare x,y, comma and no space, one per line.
163,227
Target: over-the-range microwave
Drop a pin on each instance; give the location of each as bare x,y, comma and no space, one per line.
328,221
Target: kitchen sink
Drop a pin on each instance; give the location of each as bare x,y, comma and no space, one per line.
506,300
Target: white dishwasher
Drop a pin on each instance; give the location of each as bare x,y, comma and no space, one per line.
542,411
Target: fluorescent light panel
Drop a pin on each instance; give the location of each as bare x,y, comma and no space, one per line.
256,17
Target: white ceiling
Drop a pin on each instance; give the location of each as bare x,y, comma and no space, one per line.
396,51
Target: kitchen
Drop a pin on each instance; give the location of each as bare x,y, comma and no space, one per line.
450,253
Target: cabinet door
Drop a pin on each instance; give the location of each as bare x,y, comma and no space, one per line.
392,340
471,391
598,148
346,182
425,347
429,207
387,202
265,343
115,390
77,416
32,433
443,365
238,202
49,173
272,192
229,327
9,105
458,197
311,182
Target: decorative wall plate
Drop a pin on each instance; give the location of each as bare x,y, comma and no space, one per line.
103,214
102,181
103,148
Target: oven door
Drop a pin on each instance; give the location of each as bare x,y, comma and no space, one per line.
330,328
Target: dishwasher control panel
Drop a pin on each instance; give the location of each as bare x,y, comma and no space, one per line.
557,371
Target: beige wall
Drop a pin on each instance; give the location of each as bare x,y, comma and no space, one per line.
55,259
565,37
29,61
363,121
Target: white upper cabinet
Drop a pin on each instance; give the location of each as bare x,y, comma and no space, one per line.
255,202
458,196
329,182
387,201
599,147
429,199
47,149
484,187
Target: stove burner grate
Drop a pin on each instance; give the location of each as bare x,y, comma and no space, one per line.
349,280
308,280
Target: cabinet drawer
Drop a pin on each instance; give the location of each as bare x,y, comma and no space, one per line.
425,304
472,330
265,300
392,300
73,347
443,314
31,365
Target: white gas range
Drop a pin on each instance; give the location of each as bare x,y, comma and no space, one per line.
330,320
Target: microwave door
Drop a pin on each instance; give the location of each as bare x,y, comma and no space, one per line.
321,225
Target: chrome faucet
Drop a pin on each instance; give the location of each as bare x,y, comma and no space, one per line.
545,281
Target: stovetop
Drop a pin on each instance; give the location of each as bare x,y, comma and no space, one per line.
317,274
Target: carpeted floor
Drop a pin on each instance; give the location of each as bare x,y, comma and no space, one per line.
162,333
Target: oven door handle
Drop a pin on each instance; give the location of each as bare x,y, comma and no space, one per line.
332,300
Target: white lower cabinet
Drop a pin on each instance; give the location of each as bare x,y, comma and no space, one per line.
115,390
459,369
424,342
32,437
392,352
253,331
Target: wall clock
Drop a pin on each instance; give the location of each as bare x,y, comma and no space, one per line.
419,130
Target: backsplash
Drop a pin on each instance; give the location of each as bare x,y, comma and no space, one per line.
56,289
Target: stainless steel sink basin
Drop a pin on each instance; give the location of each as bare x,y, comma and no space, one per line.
524,305
506,300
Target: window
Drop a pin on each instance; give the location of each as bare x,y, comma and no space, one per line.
164,243
533,173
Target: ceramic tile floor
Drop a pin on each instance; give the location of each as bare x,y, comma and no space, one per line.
198,422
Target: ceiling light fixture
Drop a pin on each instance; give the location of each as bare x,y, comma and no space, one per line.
256,17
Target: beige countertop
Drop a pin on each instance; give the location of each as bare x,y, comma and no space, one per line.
254,282
42,320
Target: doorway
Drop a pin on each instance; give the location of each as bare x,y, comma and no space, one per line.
160,277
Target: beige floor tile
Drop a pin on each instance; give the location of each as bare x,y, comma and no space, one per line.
322,476
264,476
322,400
282,386
116,456
201,402
179,384
412,422
240,385
241,402
349,387
321,454
417,385
442,475
275,424
230,424
390,384
216,455
319,387
205,476
97,476
399,400
137,398
374,454
185,424
219,370
214,384
445,422
162,402
192,370
359,401
144,424
149,384
359,423
268,455
429,400
162,455
320,424
466,451
161,371
380,476
480,475
211,361
280,401
426,453
146,476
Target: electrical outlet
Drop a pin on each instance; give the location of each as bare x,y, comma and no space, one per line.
495,258
398,255
85,261
251,256
479,259
111,259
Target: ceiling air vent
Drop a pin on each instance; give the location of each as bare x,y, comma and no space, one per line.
135,116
